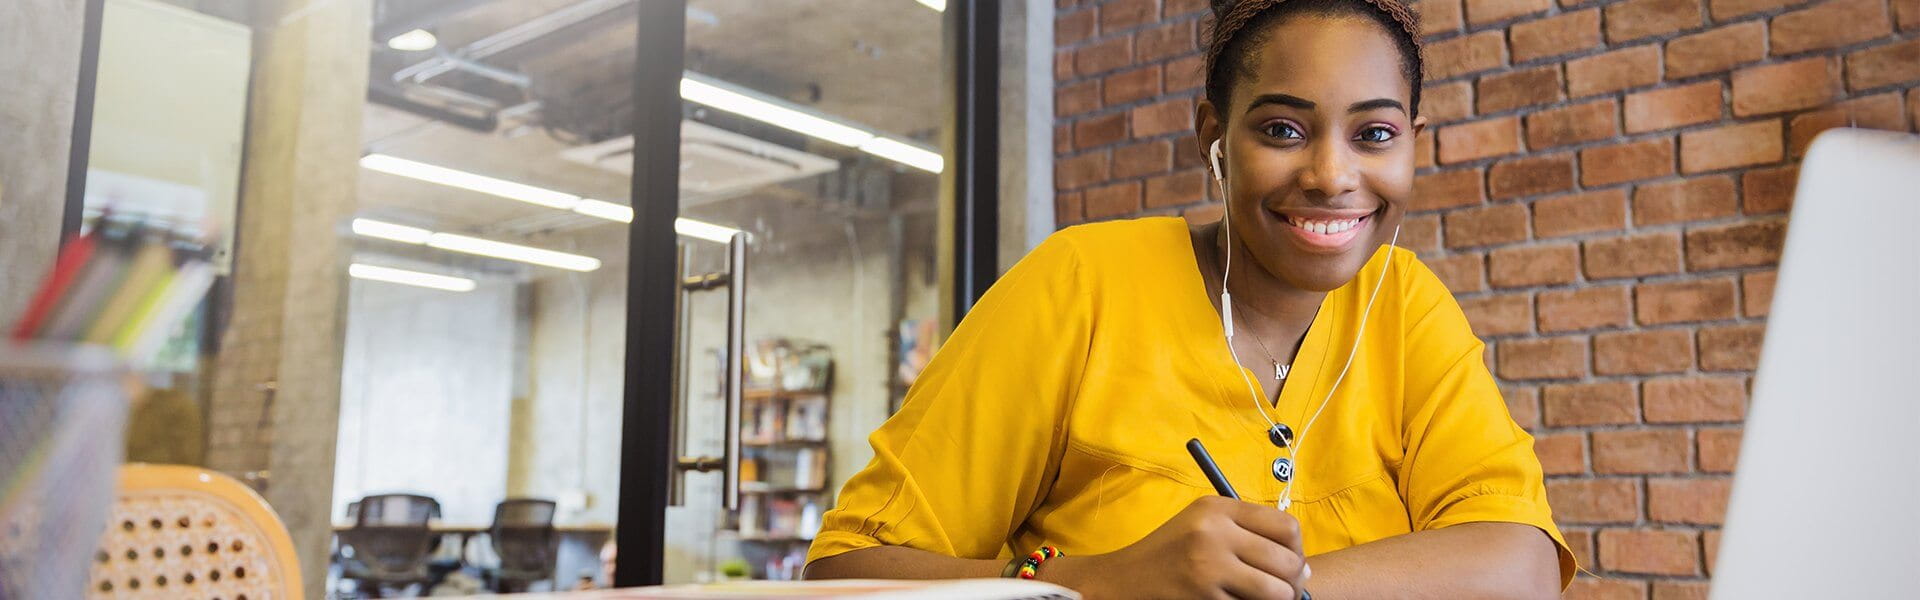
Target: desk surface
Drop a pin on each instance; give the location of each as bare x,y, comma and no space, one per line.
870,589
470,528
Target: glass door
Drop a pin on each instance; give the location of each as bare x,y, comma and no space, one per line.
805,282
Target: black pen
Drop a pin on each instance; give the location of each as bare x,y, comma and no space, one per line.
1212,471
1219,481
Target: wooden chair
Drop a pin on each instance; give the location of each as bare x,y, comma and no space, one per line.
186,532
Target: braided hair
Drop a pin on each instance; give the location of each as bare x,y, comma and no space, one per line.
1241,27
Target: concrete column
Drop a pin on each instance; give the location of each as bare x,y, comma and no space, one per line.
276,397
41,68
1026,127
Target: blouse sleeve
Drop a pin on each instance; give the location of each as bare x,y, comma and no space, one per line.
1466,460
972,449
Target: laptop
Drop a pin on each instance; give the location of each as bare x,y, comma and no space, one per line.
1826,498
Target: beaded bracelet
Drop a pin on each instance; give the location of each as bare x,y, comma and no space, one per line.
1029,567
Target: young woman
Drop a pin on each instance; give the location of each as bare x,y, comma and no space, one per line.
1337,383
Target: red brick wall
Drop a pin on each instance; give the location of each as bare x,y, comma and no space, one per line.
1604,187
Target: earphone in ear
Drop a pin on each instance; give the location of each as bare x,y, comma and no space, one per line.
1213,153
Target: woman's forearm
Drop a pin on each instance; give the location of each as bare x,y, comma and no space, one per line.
1471,560
900,562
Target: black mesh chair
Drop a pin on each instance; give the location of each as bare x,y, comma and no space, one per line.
525,541
389,543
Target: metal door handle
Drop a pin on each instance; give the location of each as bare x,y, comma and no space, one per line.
733,377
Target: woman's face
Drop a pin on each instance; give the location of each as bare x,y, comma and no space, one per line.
1317,148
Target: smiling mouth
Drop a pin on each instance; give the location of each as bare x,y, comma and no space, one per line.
1328,232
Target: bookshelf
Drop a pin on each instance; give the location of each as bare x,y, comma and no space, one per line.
785,446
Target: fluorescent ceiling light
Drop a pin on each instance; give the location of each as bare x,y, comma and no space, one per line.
717,95
469,181
390,231
904,153
704,230
421,39
525,254
413,278
605,210
939,5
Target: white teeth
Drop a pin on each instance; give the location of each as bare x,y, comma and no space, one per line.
1324,227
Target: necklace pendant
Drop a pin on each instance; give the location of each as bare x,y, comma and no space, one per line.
1280,370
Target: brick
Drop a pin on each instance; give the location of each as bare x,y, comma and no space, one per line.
1573,214
1580,541
1080,171
1439,16
1696,199
1727,9
1575,404
1879,111
1554,36
1177,8
1830,24
1615,70
1633,256
1062,139
1100,131
1561,453
1747,244
1717,49
1144,158
1205,213
1062,65
1420,234
1499,314
1731,146
1719,449
1633,452
1782,87
1423,150
1907,13
1186,152
1679,590
1586,588
1594,501
1076,98
1635,19
1447,102
1642,352
1695,399
1102,56
1480,139
1631,161
1487,225
1690,501
1757,290
1162,118
1684,301
1572,124
1731,348
1130,85
1768,190
1113,200
1650,552
1448,189
1185,73
1067,207
1172,39
1543,358
1185,187
1519,88
1878,66
1588,308
1116,15
1532,265
1523,404
1465,54
1460,272
1530,176
1481,12
1673,107
1072,27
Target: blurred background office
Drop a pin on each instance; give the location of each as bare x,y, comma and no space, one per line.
476,257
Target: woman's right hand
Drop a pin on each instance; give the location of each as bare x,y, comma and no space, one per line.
1216,547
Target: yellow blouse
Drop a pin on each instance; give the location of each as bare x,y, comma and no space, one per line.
1059,410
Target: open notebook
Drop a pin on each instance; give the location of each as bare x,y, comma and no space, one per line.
863,589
